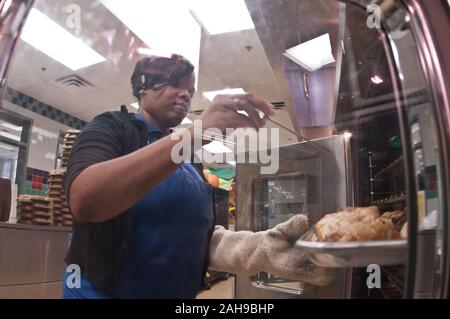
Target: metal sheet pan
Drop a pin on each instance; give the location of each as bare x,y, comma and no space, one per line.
353,253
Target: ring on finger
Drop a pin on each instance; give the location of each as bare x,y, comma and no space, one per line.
237,104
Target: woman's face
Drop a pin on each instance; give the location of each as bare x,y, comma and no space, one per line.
169,106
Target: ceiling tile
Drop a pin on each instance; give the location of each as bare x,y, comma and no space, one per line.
51,95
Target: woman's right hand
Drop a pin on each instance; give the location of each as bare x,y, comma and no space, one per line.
223,112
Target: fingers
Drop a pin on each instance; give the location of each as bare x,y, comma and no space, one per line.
249,104
293,228
258,103
240,110
248,121
251,112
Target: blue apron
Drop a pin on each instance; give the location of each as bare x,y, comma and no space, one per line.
165,256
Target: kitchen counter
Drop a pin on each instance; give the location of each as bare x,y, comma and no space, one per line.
32,259
35,227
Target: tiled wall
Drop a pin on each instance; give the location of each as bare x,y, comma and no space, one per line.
48,111
47,124
44,138
36,182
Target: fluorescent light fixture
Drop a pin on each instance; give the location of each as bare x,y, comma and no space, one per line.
6,7
186,121
216,147
210,95
49,37
135,105
313,54
145,51
10,136
165,26
8,148
11,126
376,79
222,16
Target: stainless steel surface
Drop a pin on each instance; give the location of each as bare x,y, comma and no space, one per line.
354,253
36,227
47,290
283,24
12,17
262,285
317,146
329,192
428,25
431,26
31,255
305,85
424,287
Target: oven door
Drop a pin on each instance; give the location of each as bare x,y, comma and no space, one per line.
309,181
391,95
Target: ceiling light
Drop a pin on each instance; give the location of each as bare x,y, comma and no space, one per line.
49,37
376,79
210,95
186,121
6,6
10,136
145,51
216,147
8,148
135,105
11,126
165,27
222,16
313,54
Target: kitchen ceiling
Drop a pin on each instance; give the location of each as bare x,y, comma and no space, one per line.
234,59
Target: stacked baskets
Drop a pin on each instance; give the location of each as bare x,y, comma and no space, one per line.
60,209
35,210
69,138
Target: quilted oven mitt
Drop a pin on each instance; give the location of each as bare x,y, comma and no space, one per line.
272,251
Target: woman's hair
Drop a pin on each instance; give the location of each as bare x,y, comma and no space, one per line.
156,72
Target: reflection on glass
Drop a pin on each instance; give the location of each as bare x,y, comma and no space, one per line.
8,161
10,131
276,199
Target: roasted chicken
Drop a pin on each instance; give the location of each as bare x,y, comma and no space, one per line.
359,224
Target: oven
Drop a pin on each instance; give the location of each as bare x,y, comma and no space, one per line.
377,134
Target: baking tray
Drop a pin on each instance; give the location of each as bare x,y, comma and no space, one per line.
352,253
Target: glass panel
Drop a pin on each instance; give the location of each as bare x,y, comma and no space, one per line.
347,105
278,199
382,85
366,108
8,161
423,136
10,131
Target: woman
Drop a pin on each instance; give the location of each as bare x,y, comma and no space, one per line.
144,224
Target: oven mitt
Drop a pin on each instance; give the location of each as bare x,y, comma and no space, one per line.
272,251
